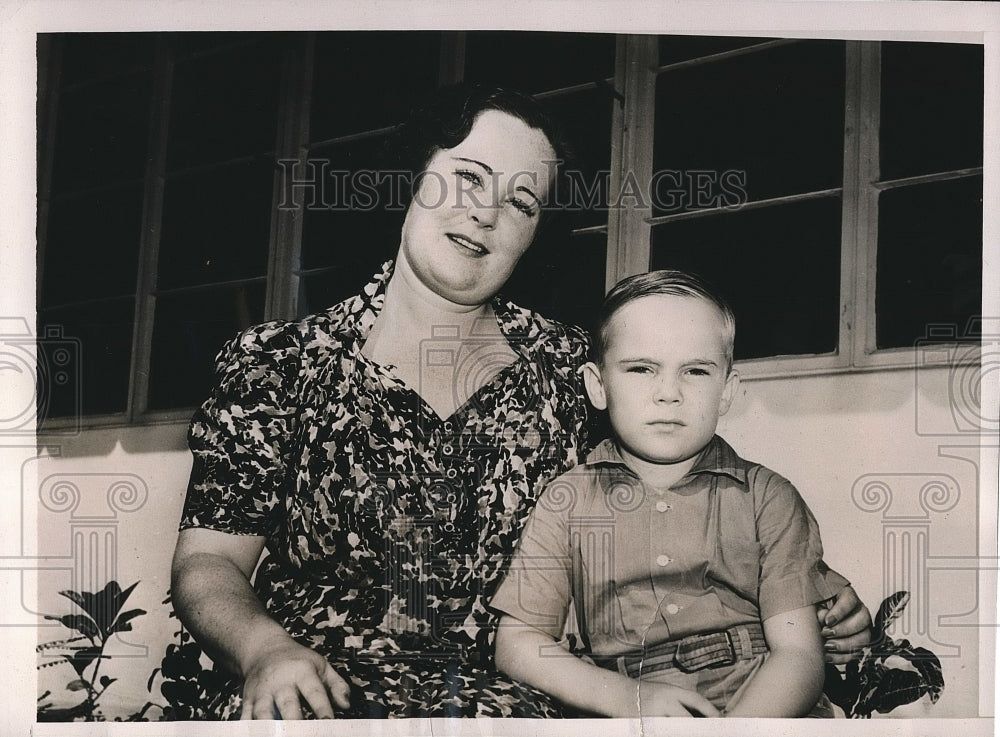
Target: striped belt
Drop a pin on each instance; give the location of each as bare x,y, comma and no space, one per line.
692,653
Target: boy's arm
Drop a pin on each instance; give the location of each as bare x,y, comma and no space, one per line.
532,656
790,681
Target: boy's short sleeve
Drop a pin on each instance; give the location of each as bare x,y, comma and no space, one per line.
239,436
537,588
793,574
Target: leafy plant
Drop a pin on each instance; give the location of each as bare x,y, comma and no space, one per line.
101,617
889,673
186,682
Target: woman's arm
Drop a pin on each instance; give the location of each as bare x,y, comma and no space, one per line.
210,584
790,681
529,655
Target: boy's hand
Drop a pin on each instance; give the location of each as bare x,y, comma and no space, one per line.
846,626
664,700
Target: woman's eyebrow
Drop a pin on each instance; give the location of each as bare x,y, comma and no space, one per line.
489,170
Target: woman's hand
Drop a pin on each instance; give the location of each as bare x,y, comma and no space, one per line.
281,674
664,700
847,626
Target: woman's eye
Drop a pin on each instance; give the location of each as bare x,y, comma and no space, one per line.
470,176
522,206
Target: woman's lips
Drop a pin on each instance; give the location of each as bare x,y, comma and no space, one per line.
467,244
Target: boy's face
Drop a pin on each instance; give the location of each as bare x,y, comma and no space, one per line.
663,379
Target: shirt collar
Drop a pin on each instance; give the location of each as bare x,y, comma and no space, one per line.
718,458
524,329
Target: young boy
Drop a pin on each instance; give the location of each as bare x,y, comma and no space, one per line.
694,574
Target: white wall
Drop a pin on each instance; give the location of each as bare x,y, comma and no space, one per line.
824,433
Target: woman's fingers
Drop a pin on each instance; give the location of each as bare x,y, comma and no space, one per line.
846,627
287,705
338,687
847,615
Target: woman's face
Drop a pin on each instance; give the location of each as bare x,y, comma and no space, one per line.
476,209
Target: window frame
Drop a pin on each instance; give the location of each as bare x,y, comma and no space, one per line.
628,229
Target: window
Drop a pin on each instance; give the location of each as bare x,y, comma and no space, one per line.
193,184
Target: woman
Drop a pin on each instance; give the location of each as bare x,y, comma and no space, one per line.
387,451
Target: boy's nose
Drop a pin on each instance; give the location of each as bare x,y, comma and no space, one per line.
667,390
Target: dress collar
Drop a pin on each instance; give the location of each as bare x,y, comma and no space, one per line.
718,458
522,328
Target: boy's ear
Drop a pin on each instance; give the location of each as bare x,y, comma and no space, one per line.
595,385
729,391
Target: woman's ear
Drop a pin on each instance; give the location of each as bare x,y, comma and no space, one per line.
595,385
729,391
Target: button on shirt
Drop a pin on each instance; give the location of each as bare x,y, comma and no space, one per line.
732,542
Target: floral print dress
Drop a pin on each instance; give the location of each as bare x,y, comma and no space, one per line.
388,527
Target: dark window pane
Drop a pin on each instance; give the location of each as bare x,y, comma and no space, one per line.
189,331
224,105
355,219
535,62
773,120
682,48
779,268
84,363
101,132
188,43
562,277
586,119
366,80
216,225
92,246
932,108
91,55
930,259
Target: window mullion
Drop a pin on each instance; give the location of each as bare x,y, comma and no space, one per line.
869,82
285,247
632,157
149,240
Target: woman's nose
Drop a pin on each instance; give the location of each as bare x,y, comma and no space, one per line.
484,213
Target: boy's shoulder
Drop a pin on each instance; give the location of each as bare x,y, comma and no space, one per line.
719,456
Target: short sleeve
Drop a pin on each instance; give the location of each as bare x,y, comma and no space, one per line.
537,586
793,574
239,436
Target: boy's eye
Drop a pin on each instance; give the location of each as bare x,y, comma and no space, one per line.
699,371
639,370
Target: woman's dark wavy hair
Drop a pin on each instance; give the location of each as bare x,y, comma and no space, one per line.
447,118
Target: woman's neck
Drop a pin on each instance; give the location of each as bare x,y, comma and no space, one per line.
411,302
413,313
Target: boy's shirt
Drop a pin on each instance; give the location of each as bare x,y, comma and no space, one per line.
731,543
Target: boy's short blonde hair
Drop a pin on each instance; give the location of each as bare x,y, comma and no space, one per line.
668,282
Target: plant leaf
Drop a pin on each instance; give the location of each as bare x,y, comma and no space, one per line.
78,685
889,611
122,624
106,681
75,596
79,622
83,657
